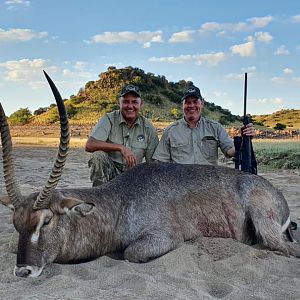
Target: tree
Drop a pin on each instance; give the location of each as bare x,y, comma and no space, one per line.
20,117
40,110
279,126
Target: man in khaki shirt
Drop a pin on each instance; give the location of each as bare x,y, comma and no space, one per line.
195,139
121,139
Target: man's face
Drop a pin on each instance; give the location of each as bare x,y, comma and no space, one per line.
192,108
130,106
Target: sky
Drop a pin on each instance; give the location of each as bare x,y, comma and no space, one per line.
212,43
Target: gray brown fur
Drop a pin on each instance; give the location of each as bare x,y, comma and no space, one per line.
151,210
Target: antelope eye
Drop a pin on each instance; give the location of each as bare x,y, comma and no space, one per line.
47,220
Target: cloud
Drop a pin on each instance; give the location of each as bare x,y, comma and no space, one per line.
12,4
211,59
79,70
250,69
248,49
276,100
236,76
20,35
279,80
244,50
250,24
218,94
80,65
142,37
263,36
173,59
214,26
259,22
71,74
182,36
282,51
25,69
296,79
295,19
288,71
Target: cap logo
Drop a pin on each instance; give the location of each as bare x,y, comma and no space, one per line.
191,90
130,88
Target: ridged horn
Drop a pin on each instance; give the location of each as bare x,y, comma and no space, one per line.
44,197
12,188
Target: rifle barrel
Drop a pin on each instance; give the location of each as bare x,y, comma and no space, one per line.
245,97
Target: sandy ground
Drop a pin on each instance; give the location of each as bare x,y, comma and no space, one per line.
205,269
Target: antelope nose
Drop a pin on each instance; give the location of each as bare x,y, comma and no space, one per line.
22,271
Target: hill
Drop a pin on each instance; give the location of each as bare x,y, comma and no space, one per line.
284,119
162,100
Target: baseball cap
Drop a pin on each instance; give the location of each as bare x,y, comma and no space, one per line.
130,88
192,91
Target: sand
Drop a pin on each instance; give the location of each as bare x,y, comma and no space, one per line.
204,269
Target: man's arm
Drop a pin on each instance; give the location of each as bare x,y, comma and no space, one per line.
162,152
152,144
231,152
93,145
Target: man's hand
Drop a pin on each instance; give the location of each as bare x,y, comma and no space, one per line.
129,157
248,130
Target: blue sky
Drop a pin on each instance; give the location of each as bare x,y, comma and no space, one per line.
213,43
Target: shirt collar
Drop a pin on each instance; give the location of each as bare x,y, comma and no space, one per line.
122,120
187,124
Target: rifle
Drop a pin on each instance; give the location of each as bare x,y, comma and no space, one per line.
244,154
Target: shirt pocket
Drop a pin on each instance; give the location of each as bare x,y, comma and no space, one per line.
139,145
179,149
209,148
139,149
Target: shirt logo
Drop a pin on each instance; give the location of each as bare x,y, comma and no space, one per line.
140,137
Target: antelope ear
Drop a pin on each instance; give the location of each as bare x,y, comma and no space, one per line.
5,200
76,206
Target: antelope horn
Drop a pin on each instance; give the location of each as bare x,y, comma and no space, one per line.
44,197
12,188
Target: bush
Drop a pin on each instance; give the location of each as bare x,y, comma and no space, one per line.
40,110
226,119
279,126
153,99
20,117
176,113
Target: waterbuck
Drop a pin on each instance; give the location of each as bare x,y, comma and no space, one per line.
145,212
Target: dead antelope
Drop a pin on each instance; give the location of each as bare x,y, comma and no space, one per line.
146,212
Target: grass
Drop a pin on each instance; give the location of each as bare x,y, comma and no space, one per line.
277,154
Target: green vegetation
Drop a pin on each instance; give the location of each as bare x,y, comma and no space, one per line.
286,117
162,99
162,102
20,117
278,154
279,126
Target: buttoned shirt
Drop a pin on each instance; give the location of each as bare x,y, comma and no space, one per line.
141,138
183,144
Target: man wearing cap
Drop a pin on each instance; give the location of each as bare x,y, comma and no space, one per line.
195,139
121,139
